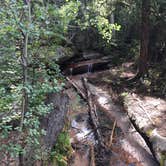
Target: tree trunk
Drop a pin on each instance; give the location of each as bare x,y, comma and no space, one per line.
24,63
25,80
143,60
112,20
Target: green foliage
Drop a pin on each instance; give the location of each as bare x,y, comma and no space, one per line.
68,12
105,28
13,149
46,27
62,149
163,159
75,104
96,14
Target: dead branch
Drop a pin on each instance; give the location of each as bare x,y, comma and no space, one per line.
92,156
92,111
76,87
87,95
112,133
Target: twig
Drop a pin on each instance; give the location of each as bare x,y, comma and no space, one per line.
112,133
76,128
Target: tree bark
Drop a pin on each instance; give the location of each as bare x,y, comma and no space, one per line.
93,112
143,60
24,63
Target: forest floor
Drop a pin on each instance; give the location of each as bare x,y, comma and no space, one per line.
131,119
138,110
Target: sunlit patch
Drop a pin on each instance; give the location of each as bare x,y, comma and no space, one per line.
82,132
102,100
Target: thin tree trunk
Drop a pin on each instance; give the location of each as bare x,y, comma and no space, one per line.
24,62
25,80
112,20
143,61
24,58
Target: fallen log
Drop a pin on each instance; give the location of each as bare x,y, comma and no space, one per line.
76,87
92,112
87,95
132,143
